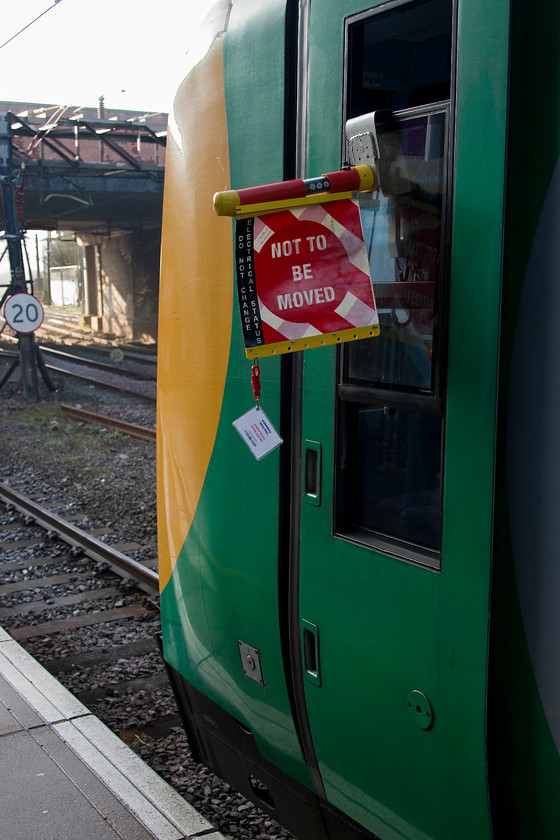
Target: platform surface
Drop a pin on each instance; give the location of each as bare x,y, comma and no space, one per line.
65,776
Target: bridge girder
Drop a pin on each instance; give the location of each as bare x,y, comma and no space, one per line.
82,173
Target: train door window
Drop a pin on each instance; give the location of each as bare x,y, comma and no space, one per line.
399,58
389,408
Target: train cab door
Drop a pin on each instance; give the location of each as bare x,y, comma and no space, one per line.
397,432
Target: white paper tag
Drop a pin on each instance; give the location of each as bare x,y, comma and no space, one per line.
258,432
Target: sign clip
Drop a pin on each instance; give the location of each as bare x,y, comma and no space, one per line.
256,383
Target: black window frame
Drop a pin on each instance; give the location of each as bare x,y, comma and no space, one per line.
350,397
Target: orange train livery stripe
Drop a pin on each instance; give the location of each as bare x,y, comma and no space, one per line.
196,299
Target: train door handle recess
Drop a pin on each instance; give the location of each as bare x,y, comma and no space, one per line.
310,650
312,472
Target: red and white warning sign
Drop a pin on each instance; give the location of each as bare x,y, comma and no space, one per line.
303,279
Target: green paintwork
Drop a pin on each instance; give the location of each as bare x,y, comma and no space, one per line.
384,628
388,627
224,586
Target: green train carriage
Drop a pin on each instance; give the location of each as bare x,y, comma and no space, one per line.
361,628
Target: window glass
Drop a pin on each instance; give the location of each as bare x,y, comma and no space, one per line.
389,422
395,467
400,58
403,236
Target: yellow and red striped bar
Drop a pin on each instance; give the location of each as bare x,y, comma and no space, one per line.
271,198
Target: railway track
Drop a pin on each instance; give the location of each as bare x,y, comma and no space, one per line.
86,611
91,546
138,378
106,377
63,327
85,358
132,429
96,633
73,610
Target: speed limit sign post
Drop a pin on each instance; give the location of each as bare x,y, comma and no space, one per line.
24,314
14,235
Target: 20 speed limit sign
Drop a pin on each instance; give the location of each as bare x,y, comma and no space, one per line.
23,313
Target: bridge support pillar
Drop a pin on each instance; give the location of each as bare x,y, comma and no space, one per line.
91,281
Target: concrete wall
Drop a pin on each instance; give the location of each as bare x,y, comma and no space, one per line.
127,283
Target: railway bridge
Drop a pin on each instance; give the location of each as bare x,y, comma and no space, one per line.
97,173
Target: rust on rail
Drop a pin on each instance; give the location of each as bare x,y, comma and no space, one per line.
132,429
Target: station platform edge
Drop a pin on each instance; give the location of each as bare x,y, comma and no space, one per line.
65,776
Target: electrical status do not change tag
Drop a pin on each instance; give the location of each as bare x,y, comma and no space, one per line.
258,432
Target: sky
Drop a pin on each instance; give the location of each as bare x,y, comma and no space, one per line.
131,53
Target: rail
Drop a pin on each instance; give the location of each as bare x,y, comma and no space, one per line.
132,429
112,377
94,363
147,579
